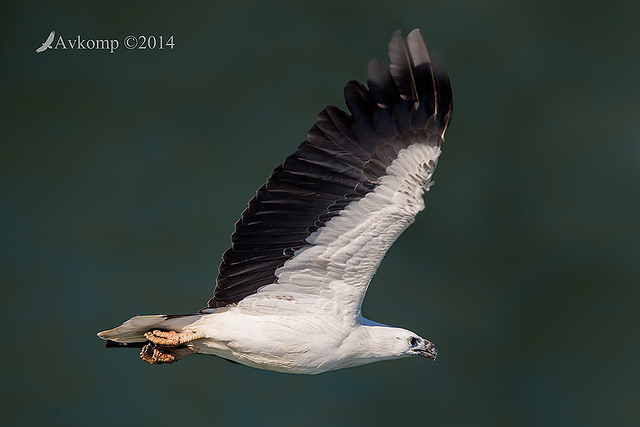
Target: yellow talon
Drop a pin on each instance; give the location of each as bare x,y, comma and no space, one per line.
172,338
163,355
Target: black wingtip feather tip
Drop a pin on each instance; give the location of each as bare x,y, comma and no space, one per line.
359,100
417,48
381,85
401,67
396,37
445,93
415,33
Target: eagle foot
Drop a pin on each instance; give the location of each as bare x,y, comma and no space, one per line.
158,356
171,338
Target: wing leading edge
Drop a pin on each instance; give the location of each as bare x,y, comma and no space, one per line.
337,195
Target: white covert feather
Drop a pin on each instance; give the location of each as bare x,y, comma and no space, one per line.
346,252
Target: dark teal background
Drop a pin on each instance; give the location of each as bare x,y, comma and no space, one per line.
121,176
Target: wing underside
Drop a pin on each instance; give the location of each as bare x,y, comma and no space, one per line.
325,218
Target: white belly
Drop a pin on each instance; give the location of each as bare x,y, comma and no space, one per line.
300,344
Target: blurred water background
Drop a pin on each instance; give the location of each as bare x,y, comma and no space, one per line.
121,176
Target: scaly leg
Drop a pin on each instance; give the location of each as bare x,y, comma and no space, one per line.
172,338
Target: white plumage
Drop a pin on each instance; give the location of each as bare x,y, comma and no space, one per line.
290,289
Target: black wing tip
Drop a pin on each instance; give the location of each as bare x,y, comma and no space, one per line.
445,93
421,77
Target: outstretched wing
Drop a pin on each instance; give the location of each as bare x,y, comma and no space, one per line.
322,223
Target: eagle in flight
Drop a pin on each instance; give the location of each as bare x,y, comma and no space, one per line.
289,291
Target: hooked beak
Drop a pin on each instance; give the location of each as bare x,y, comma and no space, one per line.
430,351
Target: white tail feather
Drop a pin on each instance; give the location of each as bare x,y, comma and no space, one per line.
133,329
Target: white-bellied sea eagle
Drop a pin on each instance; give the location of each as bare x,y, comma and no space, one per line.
289,291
